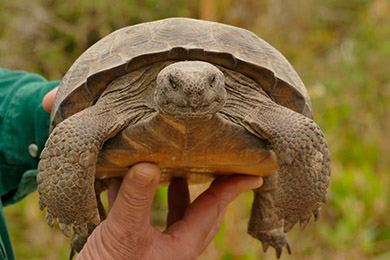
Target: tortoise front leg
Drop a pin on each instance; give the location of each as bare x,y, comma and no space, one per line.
67,168
302,177
264,223
82,232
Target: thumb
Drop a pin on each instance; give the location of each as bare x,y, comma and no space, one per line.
135,197
48,100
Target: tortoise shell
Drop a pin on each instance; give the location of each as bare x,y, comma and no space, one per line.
233,128
136,46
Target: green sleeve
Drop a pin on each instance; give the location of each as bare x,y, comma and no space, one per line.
24,128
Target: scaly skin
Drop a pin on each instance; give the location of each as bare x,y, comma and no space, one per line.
185,90
68,162
67,168
66,175
263,223
296,191
83,231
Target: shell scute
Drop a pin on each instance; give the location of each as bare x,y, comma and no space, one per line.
135,46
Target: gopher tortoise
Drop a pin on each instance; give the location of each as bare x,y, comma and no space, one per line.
199,99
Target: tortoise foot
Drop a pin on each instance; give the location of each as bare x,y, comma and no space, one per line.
275,238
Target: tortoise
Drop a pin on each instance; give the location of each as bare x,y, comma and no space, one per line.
200,99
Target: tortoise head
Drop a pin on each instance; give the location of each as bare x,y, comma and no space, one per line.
190,89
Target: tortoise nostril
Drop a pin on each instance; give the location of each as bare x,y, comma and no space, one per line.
194,93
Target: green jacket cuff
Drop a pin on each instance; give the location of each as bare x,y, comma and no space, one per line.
24,127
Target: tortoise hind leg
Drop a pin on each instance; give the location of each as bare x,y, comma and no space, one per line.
303,165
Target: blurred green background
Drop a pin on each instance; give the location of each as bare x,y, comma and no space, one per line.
341,50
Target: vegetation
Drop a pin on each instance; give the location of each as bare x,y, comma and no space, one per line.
341,49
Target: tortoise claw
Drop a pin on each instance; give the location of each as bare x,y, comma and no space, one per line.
278,250
303,223
288,225
94,217
50,219
265,246
65,229
317,214
72,254
275,238
288,248
41,204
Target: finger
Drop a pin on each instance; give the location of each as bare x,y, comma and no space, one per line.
113,190
213,231
48,100
133,203
205,212
178,200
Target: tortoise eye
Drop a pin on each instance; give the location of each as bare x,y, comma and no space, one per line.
173,83
212,81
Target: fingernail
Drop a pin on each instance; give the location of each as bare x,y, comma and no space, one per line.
258,182
143,178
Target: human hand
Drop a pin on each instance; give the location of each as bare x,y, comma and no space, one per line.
128,234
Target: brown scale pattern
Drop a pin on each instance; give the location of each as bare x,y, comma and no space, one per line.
291,195
67,170
66,175
83,231
296,191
